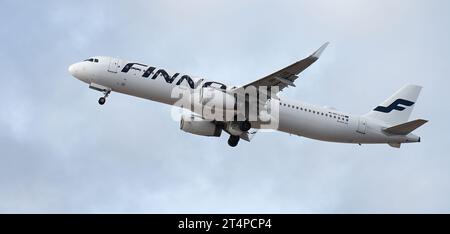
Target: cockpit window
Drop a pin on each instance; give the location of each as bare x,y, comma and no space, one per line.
92,60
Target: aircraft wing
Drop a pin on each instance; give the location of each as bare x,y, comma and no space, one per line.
286,76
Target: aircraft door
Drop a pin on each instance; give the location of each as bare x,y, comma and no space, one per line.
113,65
362,126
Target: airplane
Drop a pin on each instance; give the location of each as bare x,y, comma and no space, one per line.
386,124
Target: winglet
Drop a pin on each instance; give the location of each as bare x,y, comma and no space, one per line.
320,50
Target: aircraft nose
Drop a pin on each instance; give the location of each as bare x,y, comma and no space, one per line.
72,69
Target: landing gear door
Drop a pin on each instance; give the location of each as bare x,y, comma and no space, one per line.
113,65
362,126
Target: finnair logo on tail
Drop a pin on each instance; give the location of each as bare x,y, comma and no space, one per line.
395,106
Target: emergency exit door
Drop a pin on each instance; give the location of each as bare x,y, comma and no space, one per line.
362,126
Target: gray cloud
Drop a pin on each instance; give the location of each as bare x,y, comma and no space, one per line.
61,152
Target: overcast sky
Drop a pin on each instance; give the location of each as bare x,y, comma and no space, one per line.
60,152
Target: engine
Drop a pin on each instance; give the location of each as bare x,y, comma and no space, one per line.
196,125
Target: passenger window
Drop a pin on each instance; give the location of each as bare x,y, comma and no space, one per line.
96,60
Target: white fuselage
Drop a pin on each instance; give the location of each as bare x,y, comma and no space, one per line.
295,117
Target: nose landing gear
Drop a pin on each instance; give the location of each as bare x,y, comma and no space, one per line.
102,100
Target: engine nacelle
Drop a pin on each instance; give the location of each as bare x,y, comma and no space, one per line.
196,125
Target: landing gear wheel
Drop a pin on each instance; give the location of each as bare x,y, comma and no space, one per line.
233,141
102,101
245,126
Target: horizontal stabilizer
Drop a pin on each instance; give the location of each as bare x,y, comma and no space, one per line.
406,128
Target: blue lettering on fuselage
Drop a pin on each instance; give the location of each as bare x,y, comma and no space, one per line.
161,72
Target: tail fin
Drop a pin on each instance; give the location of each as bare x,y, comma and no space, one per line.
397,109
